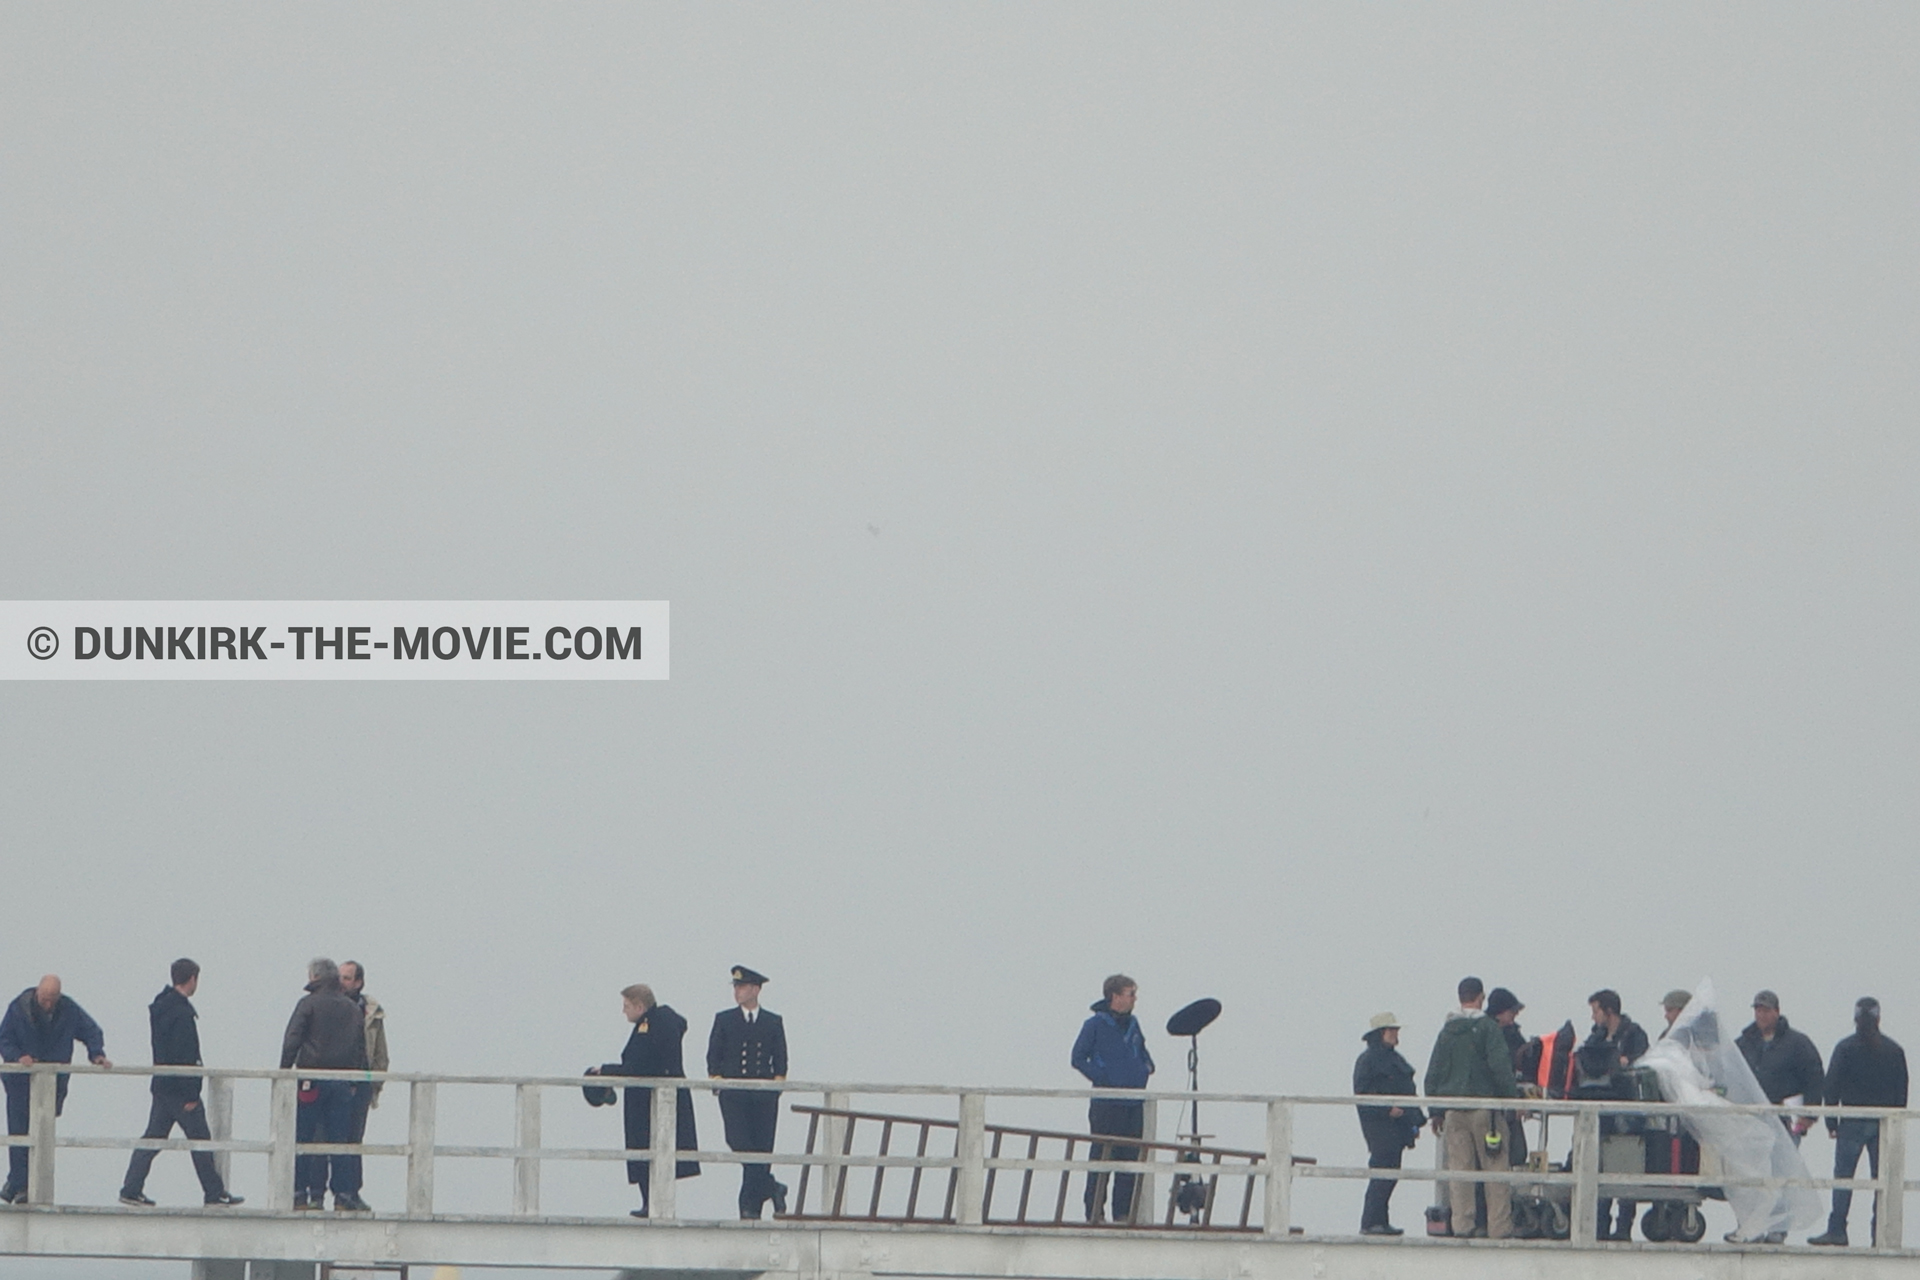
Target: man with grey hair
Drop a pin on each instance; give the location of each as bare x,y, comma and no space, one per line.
326,1033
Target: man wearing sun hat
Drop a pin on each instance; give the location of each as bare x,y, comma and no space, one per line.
1389,1130
750,1043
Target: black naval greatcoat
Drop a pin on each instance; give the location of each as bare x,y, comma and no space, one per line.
739,1050
653,1049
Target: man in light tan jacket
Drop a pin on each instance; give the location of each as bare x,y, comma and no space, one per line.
353,980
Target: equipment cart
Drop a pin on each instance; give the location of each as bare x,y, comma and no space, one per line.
1628,1144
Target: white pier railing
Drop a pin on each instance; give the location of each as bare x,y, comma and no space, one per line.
976,1155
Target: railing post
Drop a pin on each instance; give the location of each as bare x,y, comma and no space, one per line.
1584,1205
526,1136
42,1103
218,1100
969,1207
1279,1208
282,1129
1140,1209
421,1137
833,1137
1890,1198
662,1189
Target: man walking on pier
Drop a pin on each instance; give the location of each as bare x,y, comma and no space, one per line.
750,1043
1112,1054
176,1099
1470,1060
41,1025
326,1033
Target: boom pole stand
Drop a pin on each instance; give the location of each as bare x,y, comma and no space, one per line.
1192,1193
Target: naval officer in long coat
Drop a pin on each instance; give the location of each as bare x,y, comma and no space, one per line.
750,1043
653,1049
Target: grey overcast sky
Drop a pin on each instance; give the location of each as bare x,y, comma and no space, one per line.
1295,503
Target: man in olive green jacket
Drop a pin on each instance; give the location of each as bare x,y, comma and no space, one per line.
1471,1060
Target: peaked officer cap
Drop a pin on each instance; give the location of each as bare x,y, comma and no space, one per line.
744,975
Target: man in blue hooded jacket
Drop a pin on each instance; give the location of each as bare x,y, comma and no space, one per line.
1112,1053
40,1026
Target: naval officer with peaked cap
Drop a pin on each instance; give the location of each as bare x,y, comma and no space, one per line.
750,1043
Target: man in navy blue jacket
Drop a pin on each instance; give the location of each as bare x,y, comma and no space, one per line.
40,1026
1112,1053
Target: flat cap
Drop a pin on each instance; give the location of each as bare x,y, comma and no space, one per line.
1678,999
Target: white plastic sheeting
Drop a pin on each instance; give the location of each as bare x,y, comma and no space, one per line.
1699,1064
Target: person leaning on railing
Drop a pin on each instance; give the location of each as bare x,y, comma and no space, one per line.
41,1025
1470,1060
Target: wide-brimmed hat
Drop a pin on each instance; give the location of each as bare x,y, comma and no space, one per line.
1381,1021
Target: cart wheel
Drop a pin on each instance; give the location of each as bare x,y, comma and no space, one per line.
1561,1227
1690,1224
1656,1223
1526,1219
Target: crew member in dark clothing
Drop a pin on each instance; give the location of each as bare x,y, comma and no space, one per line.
1504,1008
1111,1053
1389,1130
1867,1070
653,1050
750,1043
326,1033
1616,1042
176,1099
40,1025
1784,1061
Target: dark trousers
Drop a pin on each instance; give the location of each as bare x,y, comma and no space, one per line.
1624,1230
1854,1137
191,1115
1113,1118
328,1118
1383,1153
362,1104
750,1119
18,1114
